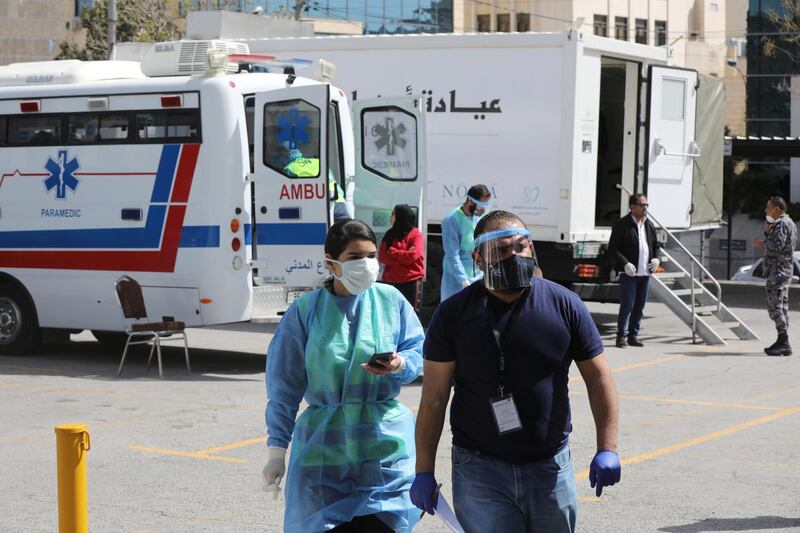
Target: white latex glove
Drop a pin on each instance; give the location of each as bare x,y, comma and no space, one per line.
653,264
274,470
630,269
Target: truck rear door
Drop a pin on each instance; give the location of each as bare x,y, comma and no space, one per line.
290,185
671,147
390,138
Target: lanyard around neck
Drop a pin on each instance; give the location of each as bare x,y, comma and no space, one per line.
498,336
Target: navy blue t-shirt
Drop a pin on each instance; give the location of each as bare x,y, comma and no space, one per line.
551,329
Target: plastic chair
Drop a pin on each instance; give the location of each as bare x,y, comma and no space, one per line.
131,301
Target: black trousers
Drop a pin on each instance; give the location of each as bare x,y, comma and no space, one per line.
363,524
409,289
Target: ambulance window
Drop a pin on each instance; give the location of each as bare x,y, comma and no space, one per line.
249,119
42,130
3,132
389,140
292,138
335,162
155,125
83,128
113,127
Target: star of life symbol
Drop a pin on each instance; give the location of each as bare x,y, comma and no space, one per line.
61,174
293,128
389,136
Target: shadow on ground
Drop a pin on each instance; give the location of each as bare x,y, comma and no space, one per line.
92,360
758,523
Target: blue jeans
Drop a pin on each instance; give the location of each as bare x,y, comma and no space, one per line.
490,494
632,297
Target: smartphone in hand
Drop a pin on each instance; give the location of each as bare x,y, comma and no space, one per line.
379,360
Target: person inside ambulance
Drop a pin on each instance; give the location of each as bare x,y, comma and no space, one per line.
345,348
304,167
459,270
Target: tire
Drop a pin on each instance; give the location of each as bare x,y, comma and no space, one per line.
111,339
19,327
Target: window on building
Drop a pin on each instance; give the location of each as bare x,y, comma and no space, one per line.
80,5
641,31
661,32
621,28
601,25
713,7
523,22
504,23
484,23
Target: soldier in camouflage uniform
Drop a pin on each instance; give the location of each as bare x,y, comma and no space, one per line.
780,242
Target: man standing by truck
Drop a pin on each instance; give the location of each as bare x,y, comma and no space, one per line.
459,270
635,251
780,240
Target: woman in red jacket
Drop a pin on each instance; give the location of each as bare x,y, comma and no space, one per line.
401,253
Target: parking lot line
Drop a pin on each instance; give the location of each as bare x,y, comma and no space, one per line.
701,439
650,362
193,455
689,402
233,445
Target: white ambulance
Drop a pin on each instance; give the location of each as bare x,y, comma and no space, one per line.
214,189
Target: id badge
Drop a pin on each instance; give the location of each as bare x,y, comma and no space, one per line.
505,414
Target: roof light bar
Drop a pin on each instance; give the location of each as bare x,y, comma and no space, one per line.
270,61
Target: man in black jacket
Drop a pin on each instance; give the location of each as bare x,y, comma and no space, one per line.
635,252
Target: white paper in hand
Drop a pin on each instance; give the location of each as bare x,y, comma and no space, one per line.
446,515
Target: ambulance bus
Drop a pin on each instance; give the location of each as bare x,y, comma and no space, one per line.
178,171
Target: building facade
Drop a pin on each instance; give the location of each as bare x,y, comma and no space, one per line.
31,30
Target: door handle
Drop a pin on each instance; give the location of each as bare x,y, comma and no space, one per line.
131,213
694,150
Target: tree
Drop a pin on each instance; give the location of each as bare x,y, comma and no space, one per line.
139,21
787,24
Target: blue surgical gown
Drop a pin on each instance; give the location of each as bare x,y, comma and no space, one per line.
457,230
353,450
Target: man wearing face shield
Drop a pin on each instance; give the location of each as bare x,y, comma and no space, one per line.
459,271
507,345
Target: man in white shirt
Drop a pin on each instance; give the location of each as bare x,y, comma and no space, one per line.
635,251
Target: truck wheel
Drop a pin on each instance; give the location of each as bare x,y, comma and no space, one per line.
19,330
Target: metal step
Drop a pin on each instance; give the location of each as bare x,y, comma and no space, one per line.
686,292
670,275
726,325
704,308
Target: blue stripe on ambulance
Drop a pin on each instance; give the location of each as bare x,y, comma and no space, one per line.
291,234
199,237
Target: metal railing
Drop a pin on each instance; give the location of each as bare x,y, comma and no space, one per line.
693,259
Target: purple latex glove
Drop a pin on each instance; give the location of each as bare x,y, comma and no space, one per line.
425,491
605,470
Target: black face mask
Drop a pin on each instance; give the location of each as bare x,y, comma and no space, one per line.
514,272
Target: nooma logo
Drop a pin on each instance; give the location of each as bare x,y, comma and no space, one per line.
61,175
459,190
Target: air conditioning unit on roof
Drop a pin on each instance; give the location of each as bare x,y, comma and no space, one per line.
187,58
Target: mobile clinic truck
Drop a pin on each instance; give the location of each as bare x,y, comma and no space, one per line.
212,188
553,124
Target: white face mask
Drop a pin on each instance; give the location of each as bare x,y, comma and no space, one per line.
358,275
770,219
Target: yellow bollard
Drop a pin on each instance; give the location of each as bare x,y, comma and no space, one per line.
72,443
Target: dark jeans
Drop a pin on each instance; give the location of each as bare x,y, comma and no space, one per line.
363,524
632,296
409,289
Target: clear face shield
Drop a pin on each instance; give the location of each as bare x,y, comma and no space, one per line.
508,259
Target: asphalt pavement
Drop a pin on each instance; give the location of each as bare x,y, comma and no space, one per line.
710,436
